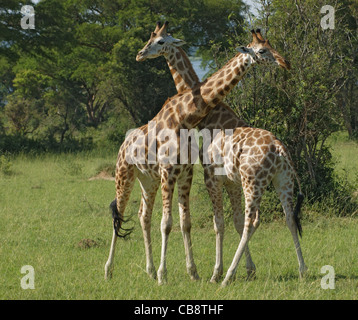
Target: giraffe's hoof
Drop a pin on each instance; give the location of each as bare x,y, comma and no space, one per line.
302,271
152,274
162,282
224,284
215,279
108,272
217,275
162,278
251,275
227,281
195,277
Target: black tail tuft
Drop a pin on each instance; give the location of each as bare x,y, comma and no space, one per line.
296,212
118,221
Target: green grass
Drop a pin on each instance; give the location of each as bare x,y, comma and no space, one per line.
50,210
345,154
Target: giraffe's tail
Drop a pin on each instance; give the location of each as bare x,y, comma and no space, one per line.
296,212
118,221
300,197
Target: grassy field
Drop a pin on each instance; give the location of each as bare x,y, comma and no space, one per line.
56,219
345,154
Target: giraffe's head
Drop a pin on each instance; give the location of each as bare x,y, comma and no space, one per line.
264,53
159,43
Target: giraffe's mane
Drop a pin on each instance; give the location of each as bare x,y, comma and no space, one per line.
189,64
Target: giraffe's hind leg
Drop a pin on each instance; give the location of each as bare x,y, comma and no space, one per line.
234,192
283,183
124,185
149,189
253,194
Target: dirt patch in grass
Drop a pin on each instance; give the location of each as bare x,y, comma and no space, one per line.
105,172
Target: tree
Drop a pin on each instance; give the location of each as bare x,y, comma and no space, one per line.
301,107
79,62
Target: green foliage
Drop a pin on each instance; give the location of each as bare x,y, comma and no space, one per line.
300,106
77,70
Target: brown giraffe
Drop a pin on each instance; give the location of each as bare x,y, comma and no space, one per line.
259,148
221,117
183,111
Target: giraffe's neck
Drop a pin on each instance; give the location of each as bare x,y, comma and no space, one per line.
185,77
181,69
188,108
215,88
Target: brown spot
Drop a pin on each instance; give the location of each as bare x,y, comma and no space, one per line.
254,150
216,101
266,163
261,175
271,156
235,81
264,149
207,91
250,142
87,243
180,66
196,92
193,119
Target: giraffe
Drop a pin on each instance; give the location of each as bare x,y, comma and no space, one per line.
222,117
183,111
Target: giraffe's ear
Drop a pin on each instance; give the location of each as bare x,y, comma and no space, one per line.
242,49
178,42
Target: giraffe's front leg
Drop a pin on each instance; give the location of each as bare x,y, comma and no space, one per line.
184,185
167,186
166,226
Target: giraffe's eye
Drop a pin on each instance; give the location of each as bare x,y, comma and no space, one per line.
262,51
161,42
